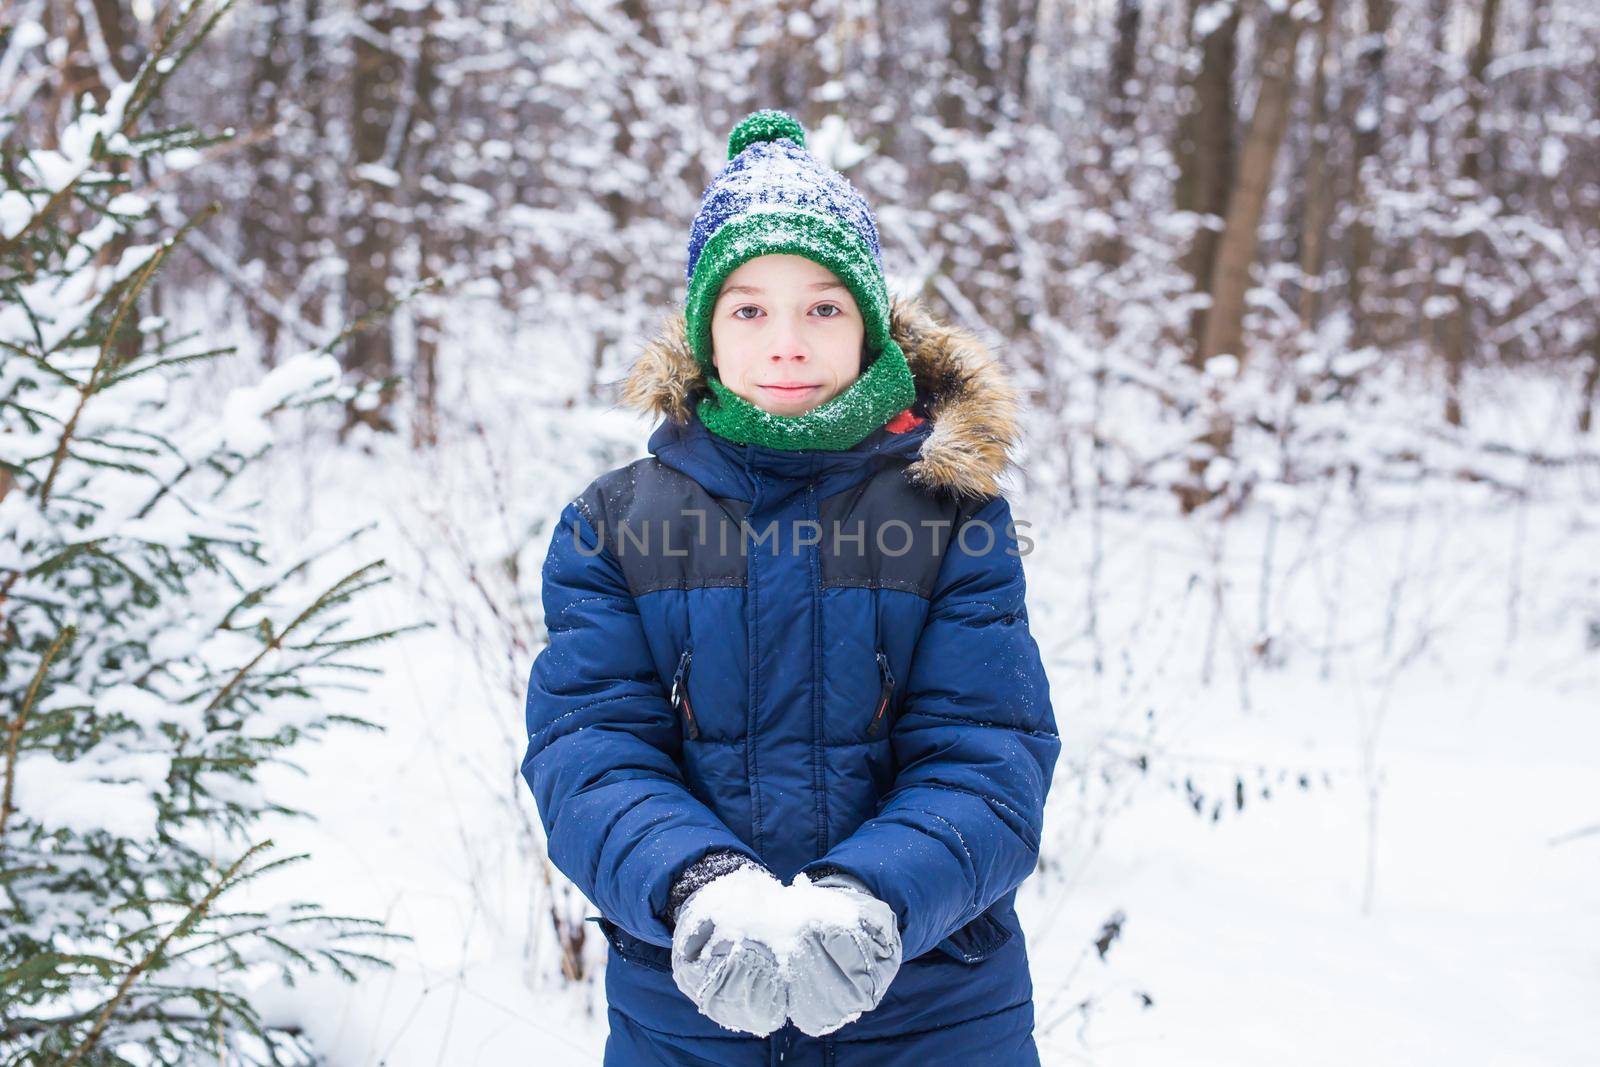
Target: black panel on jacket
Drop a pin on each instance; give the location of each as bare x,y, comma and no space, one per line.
667,532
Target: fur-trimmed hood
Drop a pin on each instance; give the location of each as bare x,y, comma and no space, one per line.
962,388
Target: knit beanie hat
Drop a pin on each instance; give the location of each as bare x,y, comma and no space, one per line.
774,197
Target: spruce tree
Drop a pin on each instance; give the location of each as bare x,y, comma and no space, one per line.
155,652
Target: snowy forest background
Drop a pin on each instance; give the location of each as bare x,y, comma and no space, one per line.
312,318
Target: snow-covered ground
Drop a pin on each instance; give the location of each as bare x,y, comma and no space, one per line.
1413,877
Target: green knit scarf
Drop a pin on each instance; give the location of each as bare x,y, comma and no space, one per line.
883,391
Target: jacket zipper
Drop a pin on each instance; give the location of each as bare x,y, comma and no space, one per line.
680,694
885,687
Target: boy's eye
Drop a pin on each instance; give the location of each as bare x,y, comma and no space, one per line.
836,310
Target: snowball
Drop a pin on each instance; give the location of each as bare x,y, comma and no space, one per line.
749,902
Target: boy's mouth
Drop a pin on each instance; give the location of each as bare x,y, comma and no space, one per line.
790,390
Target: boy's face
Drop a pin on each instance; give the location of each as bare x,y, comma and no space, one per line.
786,334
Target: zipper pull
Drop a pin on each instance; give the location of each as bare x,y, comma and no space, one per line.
885,687
680,694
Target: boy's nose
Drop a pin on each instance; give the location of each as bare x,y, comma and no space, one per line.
786,338
786,344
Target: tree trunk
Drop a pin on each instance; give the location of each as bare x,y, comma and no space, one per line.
1110,248
1020,19
318,223
265,227
1318,194
1457,336
1514,184
968,101
377,78
75,74
427,219
1124,60
1371,74
1205,149
1591,386
121,34
1236,251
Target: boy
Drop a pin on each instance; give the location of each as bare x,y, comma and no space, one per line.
791,733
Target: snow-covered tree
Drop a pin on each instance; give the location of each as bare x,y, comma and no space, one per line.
155,653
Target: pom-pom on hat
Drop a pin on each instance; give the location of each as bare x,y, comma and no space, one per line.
773,197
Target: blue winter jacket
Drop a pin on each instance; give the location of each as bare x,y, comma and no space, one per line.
858,691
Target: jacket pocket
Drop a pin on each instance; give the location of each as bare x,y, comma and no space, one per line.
632,948
885,691
680,695
972,944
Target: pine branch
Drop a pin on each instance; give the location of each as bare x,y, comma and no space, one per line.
58,1023
37,360
194,915
15,726
275,641
170,361
161,63
93,385
258,593
383,311
152,75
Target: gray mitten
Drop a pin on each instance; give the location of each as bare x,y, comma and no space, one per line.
731,974
845,959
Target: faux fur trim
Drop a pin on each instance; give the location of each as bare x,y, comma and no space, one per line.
970,399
